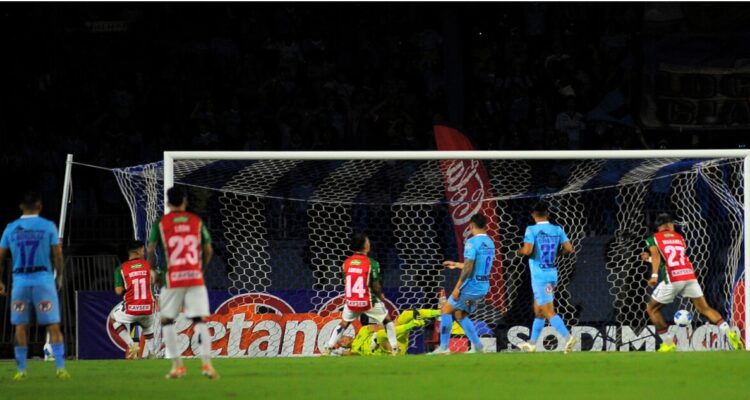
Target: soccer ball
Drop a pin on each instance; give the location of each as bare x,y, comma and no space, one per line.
48,355
683,318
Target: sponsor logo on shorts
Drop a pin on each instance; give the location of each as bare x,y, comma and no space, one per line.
470,303
45,306
550,288
19,306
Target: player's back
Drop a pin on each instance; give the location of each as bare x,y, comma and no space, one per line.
183,235
481,249
360,273
136,276
29,239
546,238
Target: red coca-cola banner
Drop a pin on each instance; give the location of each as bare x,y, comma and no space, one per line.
468,191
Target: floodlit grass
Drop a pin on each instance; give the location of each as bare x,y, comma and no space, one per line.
694,375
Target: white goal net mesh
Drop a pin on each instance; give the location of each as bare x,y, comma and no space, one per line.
282,228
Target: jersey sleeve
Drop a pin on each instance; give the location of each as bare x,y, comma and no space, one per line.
563,236
374,271
154,236
119,282
205,235
650,242
5,241
470,251
54,238
528,237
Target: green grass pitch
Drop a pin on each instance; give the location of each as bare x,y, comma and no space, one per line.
696,375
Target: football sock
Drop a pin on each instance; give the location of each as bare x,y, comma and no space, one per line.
559,326
125,335
536,330
666,338
390,330
205,342
335,336
471,332
723,326
425,313
58,349
170,341
149,342
446,324
21,353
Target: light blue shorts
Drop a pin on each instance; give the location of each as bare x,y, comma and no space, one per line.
42,298
466,301
544,291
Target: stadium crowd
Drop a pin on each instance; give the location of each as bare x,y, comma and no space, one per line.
292,77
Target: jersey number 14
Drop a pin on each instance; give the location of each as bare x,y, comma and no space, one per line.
358,288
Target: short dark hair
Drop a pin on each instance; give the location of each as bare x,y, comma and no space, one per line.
134,246
541,208
176,196
663,219
358,241
479,220
31,200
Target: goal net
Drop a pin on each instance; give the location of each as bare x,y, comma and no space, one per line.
281,229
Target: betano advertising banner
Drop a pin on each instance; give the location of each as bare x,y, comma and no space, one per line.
265,325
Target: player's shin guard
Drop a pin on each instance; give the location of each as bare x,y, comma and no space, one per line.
205,342
471,332
446,324
22,353
536,330
335,336
559,326
58,349
125,336
170,342
390,331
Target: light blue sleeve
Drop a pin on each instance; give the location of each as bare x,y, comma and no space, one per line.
528,237
470,251
54,238
4,242
563,236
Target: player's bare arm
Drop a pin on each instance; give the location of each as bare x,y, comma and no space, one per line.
378,289
208,252
655,262
466,271
567,248
453,265
57,262
151,253
526,249
3,252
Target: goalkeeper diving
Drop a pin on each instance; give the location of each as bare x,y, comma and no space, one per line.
372,340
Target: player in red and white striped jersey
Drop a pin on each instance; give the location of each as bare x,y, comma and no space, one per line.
134,278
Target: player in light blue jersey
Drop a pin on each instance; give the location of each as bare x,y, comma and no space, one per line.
35,247
541,243
472,285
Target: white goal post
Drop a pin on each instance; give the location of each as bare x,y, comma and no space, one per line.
171,157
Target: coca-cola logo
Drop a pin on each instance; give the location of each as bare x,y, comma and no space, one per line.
465,190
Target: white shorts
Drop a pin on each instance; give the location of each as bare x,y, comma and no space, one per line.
665,293
376,312
145,321
193,300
